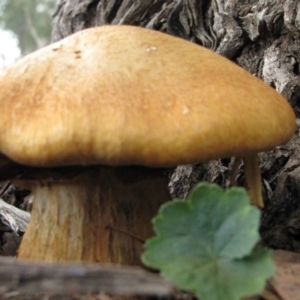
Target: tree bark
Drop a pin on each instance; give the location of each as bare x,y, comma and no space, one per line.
262,36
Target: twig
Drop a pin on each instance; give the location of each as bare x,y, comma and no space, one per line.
267,295
5,187
27,278
122,231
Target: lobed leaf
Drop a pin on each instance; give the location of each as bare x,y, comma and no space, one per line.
207,244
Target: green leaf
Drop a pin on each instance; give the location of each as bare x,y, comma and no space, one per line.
207,244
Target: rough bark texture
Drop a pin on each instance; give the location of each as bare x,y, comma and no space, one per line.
262,36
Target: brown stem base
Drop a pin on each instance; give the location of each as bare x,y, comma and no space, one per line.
70,217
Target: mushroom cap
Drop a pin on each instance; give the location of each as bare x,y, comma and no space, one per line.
123,95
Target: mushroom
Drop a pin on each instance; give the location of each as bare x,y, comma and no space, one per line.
81,112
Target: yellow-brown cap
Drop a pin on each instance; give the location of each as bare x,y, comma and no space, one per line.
122,95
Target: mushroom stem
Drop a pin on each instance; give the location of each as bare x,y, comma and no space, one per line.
70,217
253,179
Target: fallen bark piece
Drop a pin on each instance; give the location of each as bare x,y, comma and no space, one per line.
67,278
286,256
286,281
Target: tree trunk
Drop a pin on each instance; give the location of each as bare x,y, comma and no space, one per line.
262,36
